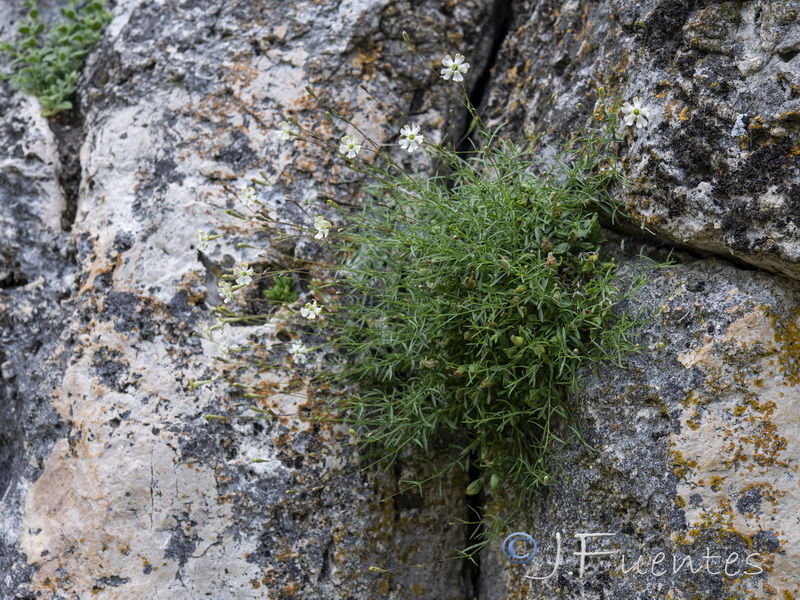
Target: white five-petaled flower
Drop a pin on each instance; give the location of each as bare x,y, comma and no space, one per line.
225,291
248,196
243,273
410,139
285,130
322,226
635,113
350,146
299,351
207,331
204,237
454,68
311,310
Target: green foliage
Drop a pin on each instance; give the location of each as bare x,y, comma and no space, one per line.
464,304
471,299
47,64
282,291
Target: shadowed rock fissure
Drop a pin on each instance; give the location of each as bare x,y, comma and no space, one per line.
475,532
502,17
68,130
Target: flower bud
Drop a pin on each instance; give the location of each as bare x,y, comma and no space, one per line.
474,488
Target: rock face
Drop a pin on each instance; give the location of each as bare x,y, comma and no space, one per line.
695,442
693,454
116,485
717,169
114,482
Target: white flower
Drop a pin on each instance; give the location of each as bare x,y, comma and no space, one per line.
203,239
635,113
243,273
285,130
454,68
410,139
299,351
350,146
223,350
248,196
311,310
225,291
322,226
207,331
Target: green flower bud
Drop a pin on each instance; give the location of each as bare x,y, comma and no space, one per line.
474,488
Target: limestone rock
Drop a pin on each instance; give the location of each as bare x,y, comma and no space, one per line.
130,491
115,483
717,169
691,452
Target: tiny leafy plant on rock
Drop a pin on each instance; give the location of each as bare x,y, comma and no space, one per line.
471,299
463,303
46,64
282,291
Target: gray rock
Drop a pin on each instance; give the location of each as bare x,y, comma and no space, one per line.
717,169
115,482
689,450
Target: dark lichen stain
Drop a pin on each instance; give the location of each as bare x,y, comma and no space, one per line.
749,502
766,542
663,29
109,367
123,241
154,183
113,581
765,167
239,154
181,546
182,310
129,314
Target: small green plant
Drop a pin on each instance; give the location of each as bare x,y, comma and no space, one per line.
282,291
472,298
47,64
464,303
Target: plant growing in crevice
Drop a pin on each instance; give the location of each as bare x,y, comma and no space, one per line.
282,291
471,299
46,64
463,303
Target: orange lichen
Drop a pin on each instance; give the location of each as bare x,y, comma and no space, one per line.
787,334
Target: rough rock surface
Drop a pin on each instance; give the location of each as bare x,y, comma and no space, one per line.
693,451
114,482
696,440
717,169
115,485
